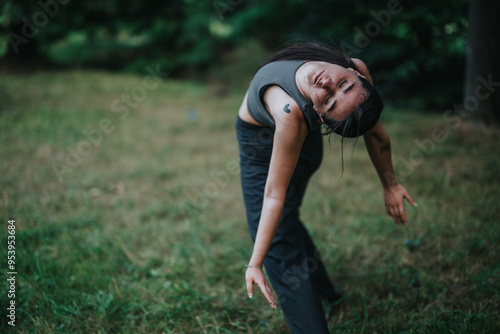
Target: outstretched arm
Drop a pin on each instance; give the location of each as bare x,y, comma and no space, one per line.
378,145
289,136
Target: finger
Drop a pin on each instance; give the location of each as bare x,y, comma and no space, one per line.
402,217
411,200
399,217
250,287
267,292
393,213
388,210
270,292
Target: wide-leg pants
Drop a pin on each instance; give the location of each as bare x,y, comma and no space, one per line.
292,263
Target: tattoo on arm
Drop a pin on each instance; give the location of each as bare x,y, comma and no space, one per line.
384,148
286,109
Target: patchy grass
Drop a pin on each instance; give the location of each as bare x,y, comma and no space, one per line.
130,219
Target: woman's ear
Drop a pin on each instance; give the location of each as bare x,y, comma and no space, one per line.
320,117
357,73
317,112
363,69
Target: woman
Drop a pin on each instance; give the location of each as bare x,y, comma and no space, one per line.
278,130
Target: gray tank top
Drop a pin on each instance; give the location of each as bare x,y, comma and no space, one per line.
281,73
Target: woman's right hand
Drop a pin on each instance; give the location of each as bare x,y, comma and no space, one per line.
256,276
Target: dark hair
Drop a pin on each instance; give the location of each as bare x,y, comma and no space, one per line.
363,119
365,116
312,51
359,122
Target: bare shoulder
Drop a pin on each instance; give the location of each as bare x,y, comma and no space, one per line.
363,69
360,64
282,107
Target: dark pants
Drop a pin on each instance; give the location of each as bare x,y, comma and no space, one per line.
292,263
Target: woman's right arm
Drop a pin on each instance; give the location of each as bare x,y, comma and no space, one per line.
289,136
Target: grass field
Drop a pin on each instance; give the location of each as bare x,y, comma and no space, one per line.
129,216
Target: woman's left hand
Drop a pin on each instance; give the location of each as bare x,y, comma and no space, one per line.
394,199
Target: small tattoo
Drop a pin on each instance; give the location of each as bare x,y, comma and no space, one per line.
384,148
286,109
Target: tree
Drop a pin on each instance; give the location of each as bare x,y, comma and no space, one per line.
117,33
482,82
20,31
415,49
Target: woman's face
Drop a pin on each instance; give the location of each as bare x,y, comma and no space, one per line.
334,90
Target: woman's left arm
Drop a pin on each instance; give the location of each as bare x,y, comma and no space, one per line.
378,146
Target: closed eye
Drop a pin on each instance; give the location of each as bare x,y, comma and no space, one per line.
335,102
348,88
333,106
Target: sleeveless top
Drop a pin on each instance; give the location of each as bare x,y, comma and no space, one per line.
281,73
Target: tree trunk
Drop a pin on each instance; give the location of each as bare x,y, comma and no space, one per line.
482,81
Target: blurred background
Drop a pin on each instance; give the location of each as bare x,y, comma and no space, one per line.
118,163
416,50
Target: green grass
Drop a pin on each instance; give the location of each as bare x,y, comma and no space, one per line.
125,243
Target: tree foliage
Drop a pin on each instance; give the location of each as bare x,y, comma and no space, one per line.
415,49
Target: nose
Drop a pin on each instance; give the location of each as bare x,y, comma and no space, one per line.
326,83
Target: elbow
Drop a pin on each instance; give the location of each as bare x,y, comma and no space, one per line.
385,141
378,142
274,197
377,134
377,138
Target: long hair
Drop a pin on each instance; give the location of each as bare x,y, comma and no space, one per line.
312,51
366,114
363,119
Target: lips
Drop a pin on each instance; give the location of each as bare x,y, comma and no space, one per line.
316,78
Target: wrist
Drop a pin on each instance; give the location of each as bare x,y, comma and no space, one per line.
255,263
388,180
389,186
257,259
254,267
